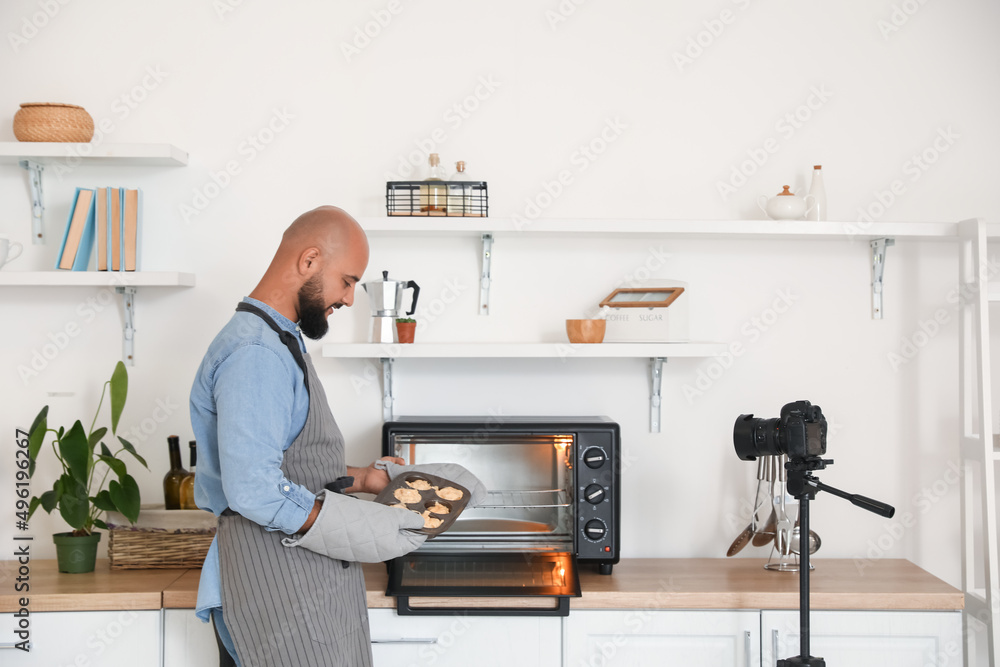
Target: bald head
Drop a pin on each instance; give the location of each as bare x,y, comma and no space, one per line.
321,257
328,228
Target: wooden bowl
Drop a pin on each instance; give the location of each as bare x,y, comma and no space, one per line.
585,331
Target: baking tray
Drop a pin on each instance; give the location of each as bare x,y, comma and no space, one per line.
427,498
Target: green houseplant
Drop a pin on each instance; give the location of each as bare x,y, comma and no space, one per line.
405,328
79,493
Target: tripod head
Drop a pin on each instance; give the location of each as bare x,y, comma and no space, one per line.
803,485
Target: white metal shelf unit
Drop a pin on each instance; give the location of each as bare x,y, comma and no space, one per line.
34,156
879,235
977,440
657,353
125,283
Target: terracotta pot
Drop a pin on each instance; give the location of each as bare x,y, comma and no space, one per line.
585,331
405,331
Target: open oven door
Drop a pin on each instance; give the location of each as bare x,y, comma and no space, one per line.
484,584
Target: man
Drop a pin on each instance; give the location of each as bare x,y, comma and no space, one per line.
268,445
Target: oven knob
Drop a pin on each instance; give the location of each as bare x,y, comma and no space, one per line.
595,457
594,493
595,530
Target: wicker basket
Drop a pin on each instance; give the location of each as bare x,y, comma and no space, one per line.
46,121
161,539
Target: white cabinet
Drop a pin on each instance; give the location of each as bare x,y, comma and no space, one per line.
461,641
105,638
642,637
187,642
867,638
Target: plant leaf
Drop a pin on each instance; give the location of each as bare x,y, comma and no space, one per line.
126,497
102,501
48,501
105,451
119,392
115,464
95,437
74,505
35,503
75,452
36,438
131,450
100,524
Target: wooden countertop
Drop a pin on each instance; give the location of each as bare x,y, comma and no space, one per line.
639,583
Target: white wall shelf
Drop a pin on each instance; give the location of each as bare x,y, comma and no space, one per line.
35,156
136,155
124,282
877,235
657,353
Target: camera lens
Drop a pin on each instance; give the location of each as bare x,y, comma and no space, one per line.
756,437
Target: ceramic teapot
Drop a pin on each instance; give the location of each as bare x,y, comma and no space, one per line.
785,205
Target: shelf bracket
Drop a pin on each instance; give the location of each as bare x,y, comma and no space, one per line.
484,279
878,268
37,203
655,400
128,332
388,400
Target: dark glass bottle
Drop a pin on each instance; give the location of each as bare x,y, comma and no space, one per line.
172,480
187,484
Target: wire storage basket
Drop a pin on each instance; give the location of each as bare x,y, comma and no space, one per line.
453,199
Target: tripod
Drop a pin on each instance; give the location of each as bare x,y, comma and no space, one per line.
803,486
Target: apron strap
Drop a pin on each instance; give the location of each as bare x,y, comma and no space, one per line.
290,341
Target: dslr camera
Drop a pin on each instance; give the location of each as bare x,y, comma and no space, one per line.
800,432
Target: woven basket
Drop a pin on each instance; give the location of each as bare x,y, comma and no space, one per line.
45,121
157,549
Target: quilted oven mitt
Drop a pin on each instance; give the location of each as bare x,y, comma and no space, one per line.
450,471
362,531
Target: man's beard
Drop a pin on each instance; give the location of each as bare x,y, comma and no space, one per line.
312,310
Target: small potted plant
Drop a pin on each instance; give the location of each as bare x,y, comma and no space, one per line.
405,327
79,493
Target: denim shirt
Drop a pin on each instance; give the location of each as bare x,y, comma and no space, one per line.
248,404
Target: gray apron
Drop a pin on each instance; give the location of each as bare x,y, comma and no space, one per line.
286,606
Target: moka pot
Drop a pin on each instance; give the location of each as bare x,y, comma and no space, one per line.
385,297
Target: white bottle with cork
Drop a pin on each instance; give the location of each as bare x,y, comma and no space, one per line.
434,195
458,199
818,190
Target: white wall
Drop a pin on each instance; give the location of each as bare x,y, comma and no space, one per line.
879,97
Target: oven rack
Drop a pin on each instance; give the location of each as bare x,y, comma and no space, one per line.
540,498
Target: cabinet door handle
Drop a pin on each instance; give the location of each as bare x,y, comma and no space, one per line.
746,648
774,646
417,640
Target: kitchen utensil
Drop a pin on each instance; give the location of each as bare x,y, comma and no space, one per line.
428,498
814,542
9,250
785,205
764,530
385,297
741,541
783,529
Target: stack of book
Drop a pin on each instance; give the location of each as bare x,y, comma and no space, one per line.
108,220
